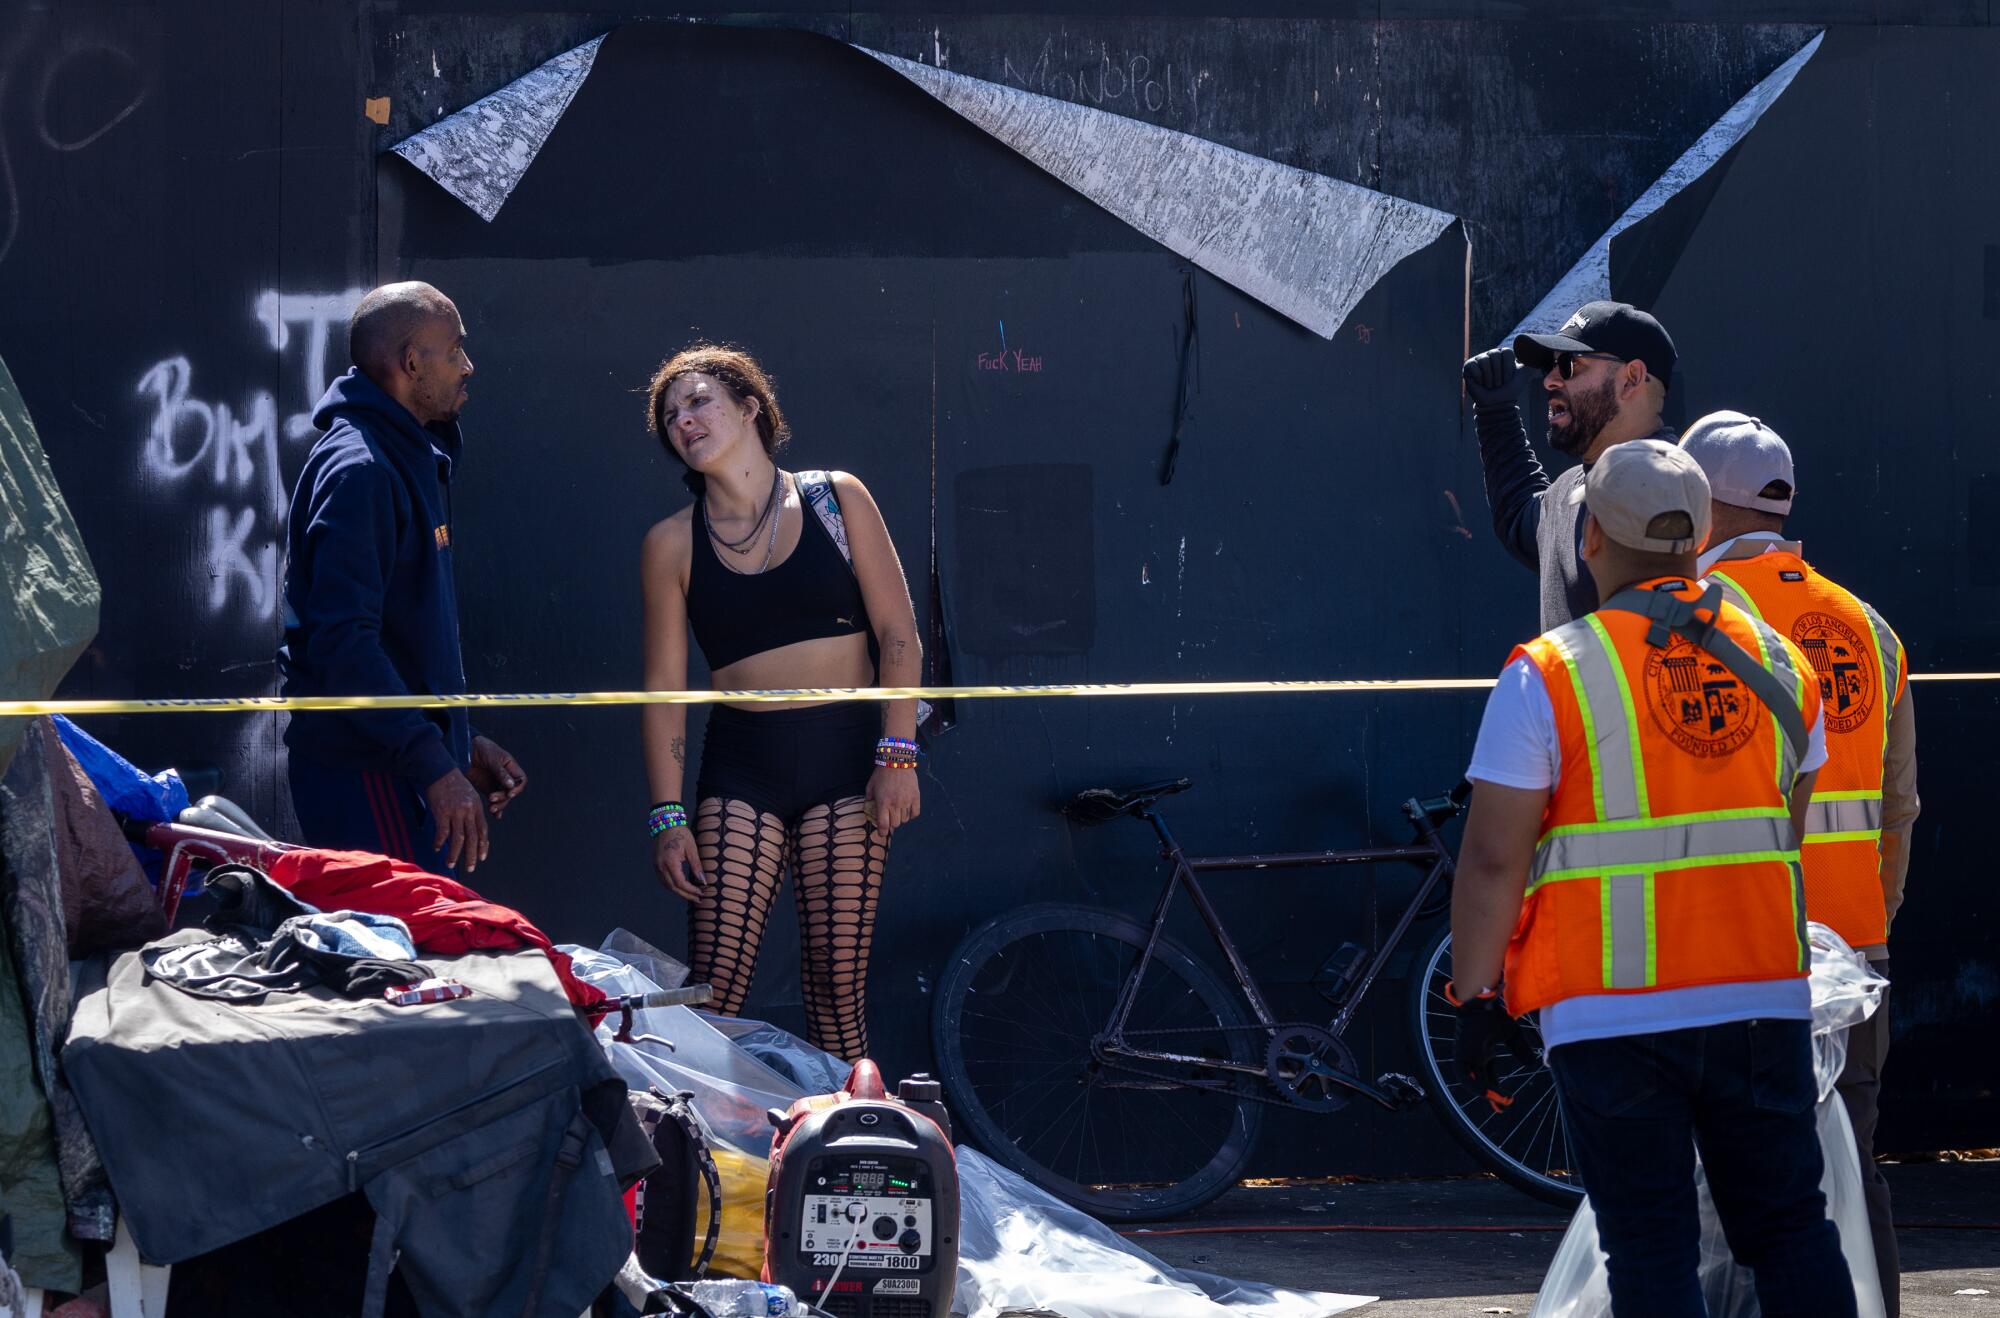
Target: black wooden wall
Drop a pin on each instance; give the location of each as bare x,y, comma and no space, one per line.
191,194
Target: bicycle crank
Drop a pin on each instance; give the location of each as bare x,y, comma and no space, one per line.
1316,1071
1312,1068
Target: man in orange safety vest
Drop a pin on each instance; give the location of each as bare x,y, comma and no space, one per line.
1856,848
1630,872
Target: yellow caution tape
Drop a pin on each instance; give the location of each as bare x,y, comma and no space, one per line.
784,696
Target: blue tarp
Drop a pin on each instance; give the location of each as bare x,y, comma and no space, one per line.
156,798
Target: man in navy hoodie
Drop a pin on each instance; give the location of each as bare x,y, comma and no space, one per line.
371,605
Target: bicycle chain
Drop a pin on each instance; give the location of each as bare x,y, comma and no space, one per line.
1285,1100
1182,1082
1221,1029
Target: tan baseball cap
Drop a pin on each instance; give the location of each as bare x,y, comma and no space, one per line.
1637,481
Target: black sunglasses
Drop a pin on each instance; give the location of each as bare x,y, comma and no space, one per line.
1565,362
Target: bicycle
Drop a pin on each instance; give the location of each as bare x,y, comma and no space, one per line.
1100,1059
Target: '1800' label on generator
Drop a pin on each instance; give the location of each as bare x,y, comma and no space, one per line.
889,1262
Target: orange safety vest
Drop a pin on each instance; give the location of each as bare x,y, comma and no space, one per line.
1862,673
1666,858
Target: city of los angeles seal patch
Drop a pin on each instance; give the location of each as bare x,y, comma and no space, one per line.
1697,701
1845,665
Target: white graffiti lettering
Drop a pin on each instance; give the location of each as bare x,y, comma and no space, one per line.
232,452
319,313
1127,81
229,561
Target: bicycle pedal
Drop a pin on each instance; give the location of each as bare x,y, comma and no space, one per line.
1403,1090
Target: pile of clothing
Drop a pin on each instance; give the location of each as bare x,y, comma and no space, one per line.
442,916
201,1087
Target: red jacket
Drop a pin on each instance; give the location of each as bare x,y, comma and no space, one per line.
443,915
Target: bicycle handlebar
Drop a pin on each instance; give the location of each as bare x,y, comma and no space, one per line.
1441,808
691,996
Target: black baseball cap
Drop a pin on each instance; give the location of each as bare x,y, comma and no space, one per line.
1618,328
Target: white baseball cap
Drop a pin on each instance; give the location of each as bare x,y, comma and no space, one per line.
1639,480
1744,459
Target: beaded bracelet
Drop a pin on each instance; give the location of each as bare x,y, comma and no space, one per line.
896,753
666,815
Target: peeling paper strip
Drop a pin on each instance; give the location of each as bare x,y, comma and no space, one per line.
1305,245
480,154
1589,280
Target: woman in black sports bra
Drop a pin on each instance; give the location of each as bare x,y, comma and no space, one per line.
758,569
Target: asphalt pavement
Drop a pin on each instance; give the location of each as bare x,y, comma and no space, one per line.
1472,1246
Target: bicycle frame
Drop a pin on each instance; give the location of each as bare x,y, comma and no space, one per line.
1429,850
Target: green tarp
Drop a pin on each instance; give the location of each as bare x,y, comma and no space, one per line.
48,614
49,610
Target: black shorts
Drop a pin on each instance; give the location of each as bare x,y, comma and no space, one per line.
787,761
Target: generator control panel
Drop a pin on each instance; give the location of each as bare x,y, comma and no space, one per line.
876,1209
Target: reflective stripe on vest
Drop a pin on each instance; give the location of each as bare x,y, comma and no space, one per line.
1844,817
1618,780
1625,849
1887,647
1723,837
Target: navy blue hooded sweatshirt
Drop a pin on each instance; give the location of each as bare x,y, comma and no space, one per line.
371,607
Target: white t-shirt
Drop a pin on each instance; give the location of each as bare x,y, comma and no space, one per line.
1714,553
1517,747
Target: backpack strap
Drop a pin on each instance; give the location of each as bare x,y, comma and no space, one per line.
816,488
1695,619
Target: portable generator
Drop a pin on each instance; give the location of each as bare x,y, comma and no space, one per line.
861,1211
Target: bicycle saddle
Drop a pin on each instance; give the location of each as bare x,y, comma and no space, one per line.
1101,805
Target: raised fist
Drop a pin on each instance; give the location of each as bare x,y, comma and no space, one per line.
1494,376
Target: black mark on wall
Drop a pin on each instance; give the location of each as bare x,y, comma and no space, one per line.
1026,559
1982,503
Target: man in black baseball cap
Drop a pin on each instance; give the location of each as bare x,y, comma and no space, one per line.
1607,371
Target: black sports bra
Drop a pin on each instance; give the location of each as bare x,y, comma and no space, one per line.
813,593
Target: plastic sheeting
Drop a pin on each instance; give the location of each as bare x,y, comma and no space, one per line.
1845,992
156,798
1020,1250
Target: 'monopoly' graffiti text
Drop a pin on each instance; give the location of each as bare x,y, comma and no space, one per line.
1134,80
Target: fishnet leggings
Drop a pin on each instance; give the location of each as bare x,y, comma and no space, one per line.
836,858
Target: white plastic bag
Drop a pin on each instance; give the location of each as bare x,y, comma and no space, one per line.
1020,1249
1845,992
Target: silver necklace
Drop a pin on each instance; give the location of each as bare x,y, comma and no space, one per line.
771,545
744,545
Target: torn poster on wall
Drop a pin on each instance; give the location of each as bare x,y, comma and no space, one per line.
1307,246
1590,278
480,154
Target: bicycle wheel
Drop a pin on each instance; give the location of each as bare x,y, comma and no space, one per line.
1018,1008
1524,1145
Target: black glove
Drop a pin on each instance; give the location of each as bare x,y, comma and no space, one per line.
1484,1028
1494,377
